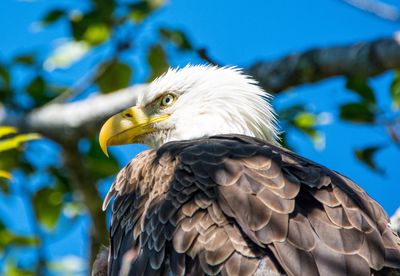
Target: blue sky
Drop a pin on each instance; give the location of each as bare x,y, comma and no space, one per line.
235,33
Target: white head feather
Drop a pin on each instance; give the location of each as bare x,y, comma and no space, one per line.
210,101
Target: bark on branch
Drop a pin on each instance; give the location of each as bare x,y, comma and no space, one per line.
70,121
361,59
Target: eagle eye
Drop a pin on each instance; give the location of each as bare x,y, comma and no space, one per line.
167,100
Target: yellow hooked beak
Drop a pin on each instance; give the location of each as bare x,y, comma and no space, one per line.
126,127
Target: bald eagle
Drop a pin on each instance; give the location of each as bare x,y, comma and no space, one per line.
216,194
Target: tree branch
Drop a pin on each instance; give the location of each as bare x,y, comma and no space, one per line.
362,59
378,8
85,185
70,121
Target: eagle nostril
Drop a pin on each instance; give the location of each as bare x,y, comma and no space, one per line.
128,115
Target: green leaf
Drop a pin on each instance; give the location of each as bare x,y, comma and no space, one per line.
298,117
178,38
9,160
395,90
53,16
25,59
16,141
97,33
155,4
4,75
4,183
23,241
13,270
357,112
360,86
305,120
142,9
12,159
291,112
10,239
157,60
61,179
116,76
6,93
80,22
93,27
47,203
104,9
37,89
5,174
9,155
366,156
6,130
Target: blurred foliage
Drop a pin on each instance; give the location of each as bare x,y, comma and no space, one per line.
395,90
16,141
362,111
10,149
13,269
178,38
366,156
11,142
115,75
48,204
157,60
10,239
98,163
298,118
111,30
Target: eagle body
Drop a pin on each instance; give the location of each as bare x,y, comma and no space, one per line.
235,205
216,195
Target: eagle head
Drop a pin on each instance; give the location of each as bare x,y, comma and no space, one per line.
193,102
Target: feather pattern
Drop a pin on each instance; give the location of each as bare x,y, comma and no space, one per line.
235,205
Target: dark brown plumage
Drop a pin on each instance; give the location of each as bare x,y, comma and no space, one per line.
235,205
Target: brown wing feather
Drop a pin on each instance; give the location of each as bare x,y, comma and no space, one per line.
234,205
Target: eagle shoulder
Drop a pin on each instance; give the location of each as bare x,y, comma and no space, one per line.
234,205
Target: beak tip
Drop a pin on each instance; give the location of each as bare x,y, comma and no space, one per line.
103,147
105,150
